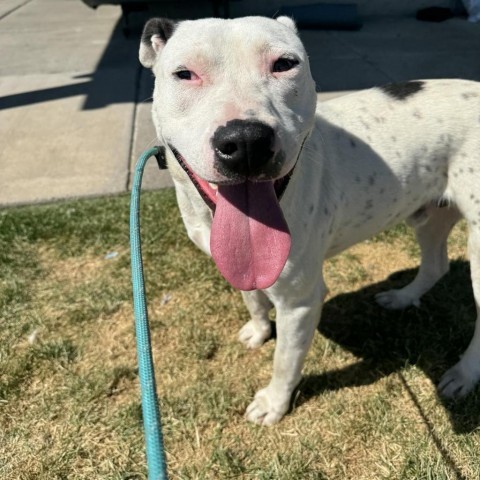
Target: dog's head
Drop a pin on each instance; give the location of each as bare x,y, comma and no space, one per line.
234,101
234,98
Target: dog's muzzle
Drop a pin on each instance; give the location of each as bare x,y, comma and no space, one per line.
249,238
245,149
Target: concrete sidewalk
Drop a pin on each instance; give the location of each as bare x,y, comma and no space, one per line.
74,102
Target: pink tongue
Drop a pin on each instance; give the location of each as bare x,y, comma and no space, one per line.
249,241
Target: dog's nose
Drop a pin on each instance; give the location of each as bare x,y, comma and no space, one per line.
243,147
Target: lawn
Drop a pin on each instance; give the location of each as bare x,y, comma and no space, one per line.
69,400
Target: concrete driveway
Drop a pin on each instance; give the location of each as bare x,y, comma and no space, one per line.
75,103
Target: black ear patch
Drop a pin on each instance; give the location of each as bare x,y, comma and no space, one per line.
154,37
402,91
163,27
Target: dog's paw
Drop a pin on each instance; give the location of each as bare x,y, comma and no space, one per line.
266,408
396,300
457,382
253,335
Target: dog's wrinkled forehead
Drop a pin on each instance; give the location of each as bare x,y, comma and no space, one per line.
216,40
232,34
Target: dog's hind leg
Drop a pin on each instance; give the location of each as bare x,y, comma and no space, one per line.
461,378
432,237
259,329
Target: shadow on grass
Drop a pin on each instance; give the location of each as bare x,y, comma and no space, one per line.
431,337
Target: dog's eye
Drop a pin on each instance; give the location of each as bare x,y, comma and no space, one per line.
185,75
284,64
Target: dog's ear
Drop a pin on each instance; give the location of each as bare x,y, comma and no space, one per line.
288,22
154,37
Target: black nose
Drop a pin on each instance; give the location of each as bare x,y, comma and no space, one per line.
243,147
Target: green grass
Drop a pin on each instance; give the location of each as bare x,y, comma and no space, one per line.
69,401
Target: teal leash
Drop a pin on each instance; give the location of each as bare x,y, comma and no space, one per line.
157,468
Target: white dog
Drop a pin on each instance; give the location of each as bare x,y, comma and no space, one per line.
270,183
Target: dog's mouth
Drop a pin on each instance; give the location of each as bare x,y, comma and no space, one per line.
208,191
249,240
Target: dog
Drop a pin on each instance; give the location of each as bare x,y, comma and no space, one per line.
270,183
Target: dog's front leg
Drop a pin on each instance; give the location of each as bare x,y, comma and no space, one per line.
296,324
259,329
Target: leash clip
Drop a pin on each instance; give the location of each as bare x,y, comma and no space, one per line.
161,158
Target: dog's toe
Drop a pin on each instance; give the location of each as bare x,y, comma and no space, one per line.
254,335
456,382
264,411
396,300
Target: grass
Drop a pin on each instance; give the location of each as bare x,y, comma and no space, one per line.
69,401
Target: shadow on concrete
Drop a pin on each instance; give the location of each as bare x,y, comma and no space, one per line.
100,88
336,64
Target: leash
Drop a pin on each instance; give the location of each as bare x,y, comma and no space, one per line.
155,452
156,463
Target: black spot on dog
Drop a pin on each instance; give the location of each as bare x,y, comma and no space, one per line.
163,27
364,123
310,209
352,143
401,91
469,95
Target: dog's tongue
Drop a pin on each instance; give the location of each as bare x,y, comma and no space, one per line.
250,241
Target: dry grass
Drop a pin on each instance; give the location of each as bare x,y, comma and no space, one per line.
69,400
